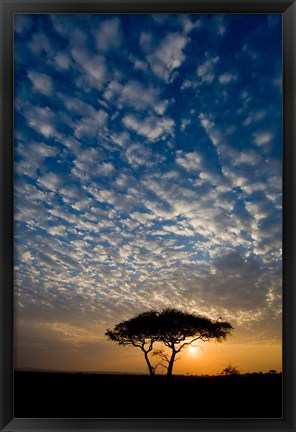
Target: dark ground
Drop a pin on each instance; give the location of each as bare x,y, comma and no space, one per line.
77,395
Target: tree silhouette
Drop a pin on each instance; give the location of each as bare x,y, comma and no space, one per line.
178,330
174,328
138,332
230,369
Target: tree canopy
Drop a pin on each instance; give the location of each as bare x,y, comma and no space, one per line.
138,332
174,328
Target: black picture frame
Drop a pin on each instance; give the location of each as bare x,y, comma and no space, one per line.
288,10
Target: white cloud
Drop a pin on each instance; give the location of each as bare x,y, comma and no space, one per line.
108,35
41,82
85,170
91,162
51,181
27,257
121,139
168,56
249,157
143,218
106,169
142,97
94,66
113,89
184,123
70,193
77,106
138,155
146,41
34,156
205,71
151,127
58,230
89,127
235,176
138,64
227,78
189,161
38,151
61,24
135,94
259,210
213,133
262,138
220,25
254,117
179,229
188,84
62,61
40,43
42,119
214,179
189,24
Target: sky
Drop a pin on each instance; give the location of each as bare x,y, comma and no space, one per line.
148,174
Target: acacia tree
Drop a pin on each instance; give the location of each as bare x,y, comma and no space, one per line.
137,332
178,330
174,328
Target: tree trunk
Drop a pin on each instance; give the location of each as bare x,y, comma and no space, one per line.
171,364
150,367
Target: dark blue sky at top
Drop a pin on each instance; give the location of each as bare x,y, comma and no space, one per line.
148,163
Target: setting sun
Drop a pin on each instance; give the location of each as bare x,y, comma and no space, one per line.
192,350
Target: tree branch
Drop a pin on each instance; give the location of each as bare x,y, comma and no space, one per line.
190,343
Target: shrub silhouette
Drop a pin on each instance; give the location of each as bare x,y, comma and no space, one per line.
230,370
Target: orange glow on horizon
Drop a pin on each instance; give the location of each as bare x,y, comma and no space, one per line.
211,360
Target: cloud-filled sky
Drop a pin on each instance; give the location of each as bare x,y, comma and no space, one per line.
148,158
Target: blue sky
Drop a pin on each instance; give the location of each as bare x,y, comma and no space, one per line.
147,173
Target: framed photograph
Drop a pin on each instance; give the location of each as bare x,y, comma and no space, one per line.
147,215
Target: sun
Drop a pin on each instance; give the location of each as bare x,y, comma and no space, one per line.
192,350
